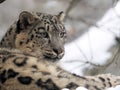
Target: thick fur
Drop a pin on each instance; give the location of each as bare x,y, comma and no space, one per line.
19,70
38,41
37,33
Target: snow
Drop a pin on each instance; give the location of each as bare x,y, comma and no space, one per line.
114,88
94,45
65,89
83,50
117,8
82,88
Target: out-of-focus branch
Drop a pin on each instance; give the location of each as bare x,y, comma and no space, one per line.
89,23
118,39
83,21
73,3
114,58
114,2
1,1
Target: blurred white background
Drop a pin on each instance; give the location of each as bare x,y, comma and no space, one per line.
93,28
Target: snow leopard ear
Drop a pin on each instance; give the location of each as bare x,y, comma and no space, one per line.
25,20
61,16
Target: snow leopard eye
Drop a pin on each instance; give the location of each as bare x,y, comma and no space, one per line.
62,34
44,34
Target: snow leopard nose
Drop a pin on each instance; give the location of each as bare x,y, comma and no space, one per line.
59,52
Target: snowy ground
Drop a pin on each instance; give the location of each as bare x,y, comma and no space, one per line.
82,88
93,46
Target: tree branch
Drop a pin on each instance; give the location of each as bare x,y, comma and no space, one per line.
73,3
1,1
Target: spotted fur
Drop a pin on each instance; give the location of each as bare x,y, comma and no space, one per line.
38,40
38,33
40,74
